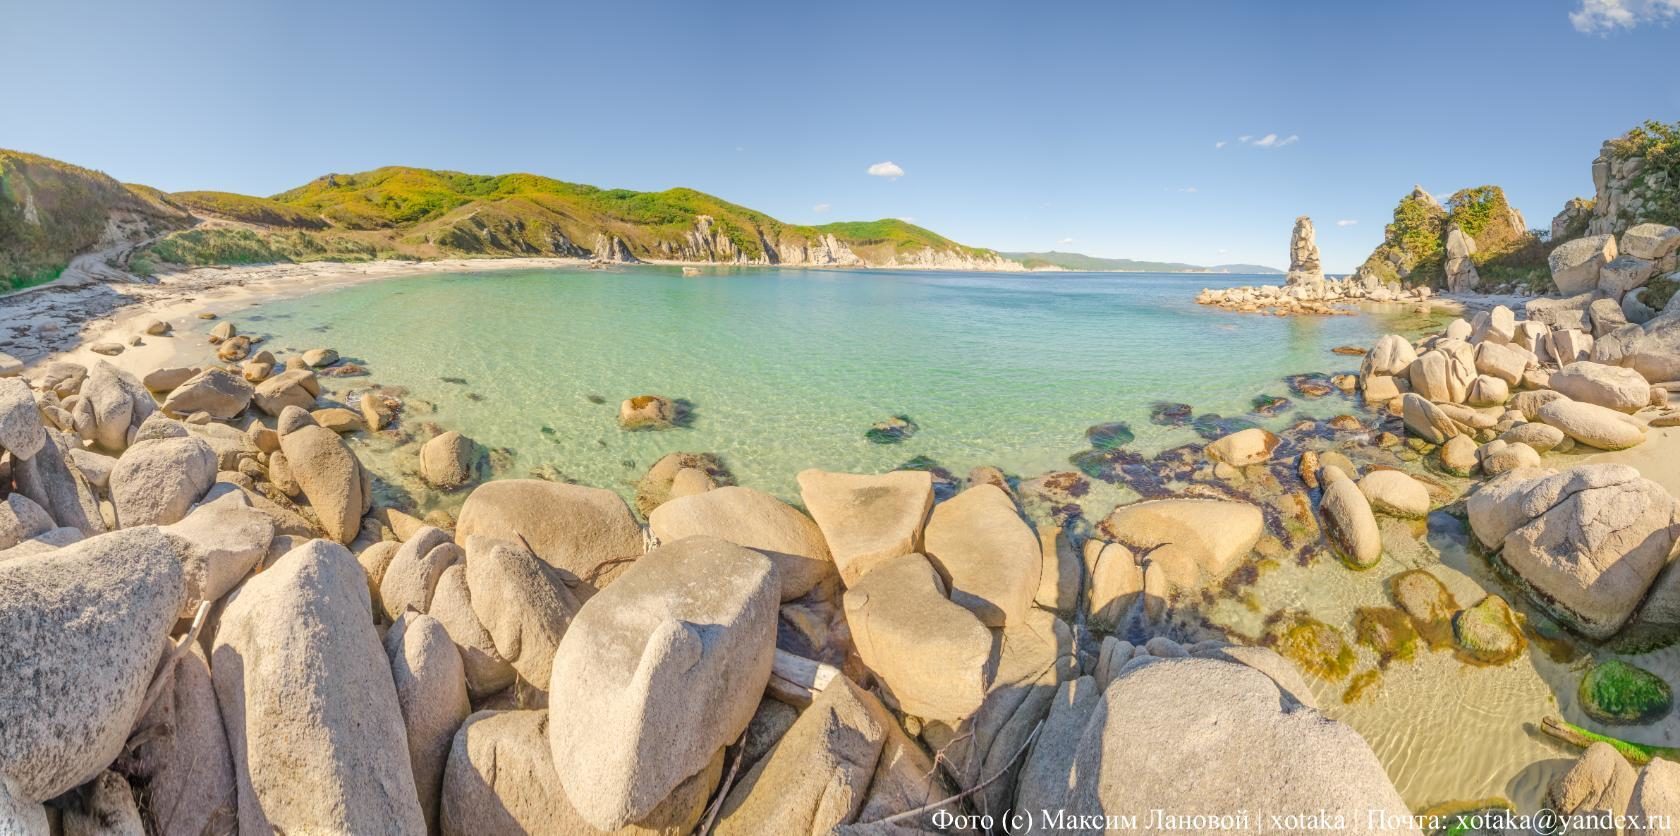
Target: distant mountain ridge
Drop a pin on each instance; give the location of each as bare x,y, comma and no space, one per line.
1094,264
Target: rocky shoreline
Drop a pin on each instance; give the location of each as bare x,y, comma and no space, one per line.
210,623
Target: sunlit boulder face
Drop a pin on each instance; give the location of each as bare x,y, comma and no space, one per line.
1255,751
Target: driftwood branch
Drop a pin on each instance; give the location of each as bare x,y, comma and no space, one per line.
795,680
725,787
166,671
1637,754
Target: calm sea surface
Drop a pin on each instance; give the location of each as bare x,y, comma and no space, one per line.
786,369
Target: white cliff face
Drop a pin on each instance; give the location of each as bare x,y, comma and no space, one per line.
1304,267
706,243
611,249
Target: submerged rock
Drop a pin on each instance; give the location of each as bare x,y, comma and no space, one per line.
1489,631
1111,435
1616,692
1169,414
892,430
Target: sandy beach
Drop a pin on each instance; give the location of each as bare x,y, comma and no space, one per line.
63,320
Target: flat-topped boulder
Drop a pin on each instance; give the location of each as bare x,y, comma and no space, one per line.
657,673
931,655
647,412
218,392
1593,425
1395,493
988,554
1576,264
294,387
219,541
1652,241
1621,389
1243,447
867,519
307,696
81,629
756,520
587,533
1506,362
1215,534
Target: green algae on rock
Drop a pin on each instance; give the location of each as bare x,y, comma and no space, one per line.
1489,632
1315,647
1427,602
1387,631
1618,693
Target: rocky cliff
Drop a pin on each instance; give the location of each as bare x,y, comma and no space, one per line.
1636,179
1476,233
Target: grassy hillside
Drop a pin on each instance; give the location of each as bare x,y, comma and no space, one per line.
1094,264
1414,250
52,211
426,213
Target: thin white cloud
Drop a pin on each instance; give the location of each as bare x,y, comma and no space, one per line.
821,208
907,219
1271,141
1188,190
1346,222
1598,17
886,169
1065,241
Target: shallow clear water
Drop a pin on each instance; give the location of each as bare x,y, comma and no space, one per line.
786,369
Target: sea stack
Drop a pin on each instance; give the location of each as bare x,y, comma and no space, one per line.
1303,255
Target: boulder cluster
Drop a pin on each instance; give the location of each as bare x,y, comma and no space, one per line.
208,624
1491,396
1325,297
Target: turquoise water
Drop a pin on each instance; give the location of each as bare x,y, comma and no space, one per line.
786,369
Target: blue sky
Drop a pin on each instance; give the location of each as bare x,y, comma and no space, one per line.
1092,127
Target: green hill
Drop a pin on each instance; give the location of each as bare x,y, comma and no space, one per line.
1093,264
50,212
423,213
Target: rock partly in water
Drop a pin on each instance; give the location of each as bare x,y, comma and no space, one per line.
1618,693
